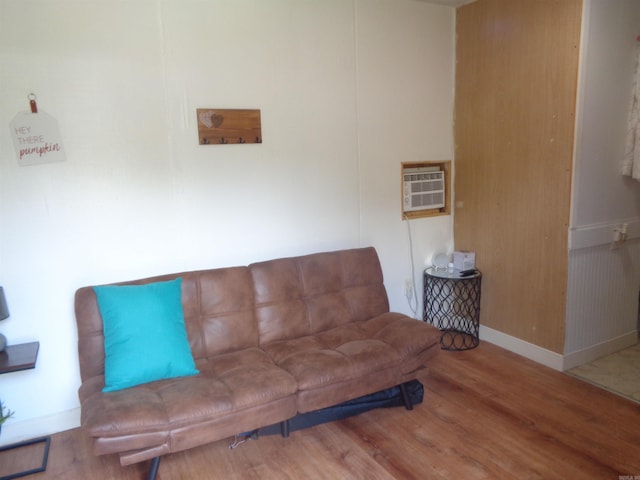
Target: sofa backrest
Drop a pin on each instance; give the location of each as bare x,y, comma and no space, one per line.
304,295
228,309
218,313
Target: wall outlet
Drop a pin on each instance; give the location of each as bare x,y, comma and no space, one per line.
408,288
619,236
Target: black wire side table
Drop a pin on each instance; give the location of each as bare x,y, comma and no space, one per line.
452,304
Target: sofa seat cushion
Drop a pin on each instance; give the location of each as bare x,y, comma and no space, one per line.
250,376
337,355
155,406
408,336
389,340
227,383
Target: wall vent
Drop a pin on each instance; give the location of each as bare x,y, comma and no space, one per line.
424,189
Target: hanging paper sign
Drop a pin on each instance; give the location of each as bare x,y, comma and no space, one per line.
36,137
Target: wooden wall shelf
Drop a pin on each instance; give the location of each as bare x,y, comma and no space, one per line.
19,357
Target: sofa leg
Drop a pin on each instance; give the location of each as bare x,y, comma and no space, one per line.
284,428
153,469
405,397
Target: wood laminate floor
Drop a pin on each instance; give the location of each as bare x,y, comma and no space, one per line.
486,414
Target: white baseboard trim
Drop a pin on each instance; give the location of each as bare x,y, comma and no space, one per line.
528,350
552,359
39,427
575,359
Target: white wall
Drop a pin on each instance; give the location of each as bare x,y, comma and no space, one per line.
347,91
602,197
603,283
400,90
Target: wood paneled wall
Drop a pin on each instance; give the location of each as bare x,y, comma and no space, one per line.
516,82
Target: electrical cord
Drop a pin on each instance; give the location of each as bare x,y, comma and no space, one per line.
412,302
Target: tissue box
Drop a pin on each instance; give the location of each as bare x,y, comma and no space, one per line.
463,260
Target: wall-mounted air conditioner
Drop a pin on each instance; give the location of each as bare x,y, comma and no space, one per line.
423,188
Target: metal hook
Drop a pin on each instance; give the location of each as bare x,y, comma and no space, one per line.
32,102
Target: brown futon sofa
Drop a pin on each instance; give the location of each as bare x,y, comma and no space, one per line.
268,341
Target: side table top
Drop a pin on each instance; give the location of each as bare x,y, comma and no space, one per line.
19,357
451,274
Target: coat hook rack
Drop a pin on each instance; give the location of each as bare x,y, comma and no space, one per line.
228,126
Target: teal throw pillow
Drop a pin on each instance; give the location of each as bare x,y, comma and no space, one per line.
144,334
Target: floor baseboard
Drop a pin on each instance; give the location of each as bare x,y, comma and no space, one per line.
38,427
552,359
528,350
587,355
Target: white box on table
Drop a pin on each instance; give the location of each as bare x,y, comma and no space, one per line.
463,260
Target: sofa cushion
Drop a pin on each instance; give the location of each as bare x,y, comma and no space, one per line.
230,383
304,295
250,376
410,337
156,406
144,334
390,340
337,355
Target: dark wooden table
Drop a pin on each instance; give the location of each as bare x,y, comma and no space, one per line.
13,359
19,357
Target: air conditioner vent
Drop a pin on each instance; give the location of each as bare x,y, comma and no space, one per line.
423,188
